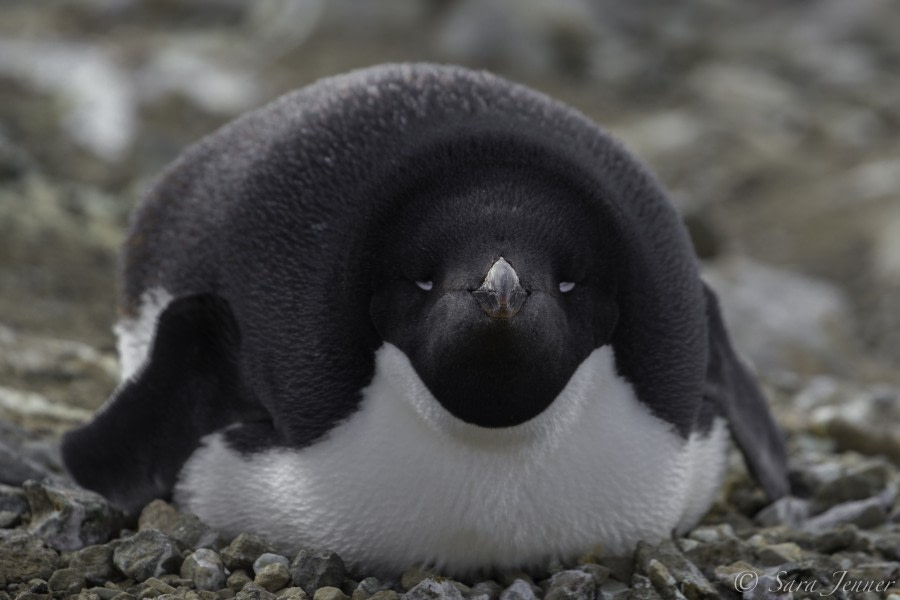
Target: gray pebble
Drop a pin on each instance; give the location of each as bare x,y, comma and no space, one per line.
273,576
95,562
267,559
243,551
293,593
330,593
490,588
252,591
385,595
642,589
519,590
148,553
779,554
862,513
237,580
434,589
686,574
414,575
205,569
576,583
313,568
68,580
614,590
69,518
24,557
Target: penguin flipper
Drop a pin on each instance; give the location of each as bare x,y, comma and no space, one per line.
189,387
735,391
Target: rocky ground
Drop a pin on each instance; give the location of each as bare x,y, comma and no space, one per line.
775,126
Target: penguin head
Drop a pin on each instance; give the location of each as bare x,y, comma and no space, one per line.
496,286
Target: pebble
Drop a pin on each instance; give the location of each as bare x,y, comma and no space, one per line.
367,587
237,580
578,583
519,590
273,576
269,558
414,575
95,563
243,551
68,581
251,591
778,554
69,518
330,593
148,553
314,568
24,556
865,514
489,588
205,569
433,588
292,593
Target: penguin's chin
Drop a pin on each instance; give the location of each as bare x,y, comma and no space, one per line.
411,391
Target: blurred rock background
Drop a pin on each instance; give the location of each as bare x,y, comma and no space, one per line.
775,126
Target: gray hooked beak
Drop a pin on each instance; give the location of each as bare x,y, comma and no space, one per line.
501,295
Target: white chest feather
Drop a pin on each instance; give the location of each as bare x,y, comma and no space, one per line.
402,481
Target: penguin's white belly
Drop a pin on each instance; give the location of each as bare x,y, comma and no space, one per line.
402,481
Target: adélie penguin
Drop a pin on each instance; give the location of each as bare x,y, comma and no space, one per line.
421,314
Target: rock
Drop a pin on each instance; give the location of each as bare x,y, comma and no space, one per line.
488,588
864,422
330,593
148,553
68,581
13,506
367,587
237,580
614,590
95,562
642,589
578,583
857,483
69,518
433,589
243,551
268,559
205,569
273,576
252,591
862,513
313,568
787,511
293,593
688,578
24,557
385,595
779,554
519,590
415,575
188,531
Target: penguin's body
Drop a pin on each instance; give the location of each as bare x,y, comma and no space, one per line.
420,314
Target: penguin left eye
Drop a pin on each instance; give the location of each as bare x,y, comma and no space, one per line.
566,286
425,285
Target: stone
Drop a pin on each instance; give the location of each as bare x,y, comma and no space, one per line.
313,568
12,505
784,511
865,514
519,590
434,588
186,529
205,569
160,515
148,553
293,593
68,518
237,580
68,581
577,583
385,595
687,576
251,591
642,588
415,575
367,587
269,558
330,593
614,590
243,551
858,483
95,562
24,556
273,577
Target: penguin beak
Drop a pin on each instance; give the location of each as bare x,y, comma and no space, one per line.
501,295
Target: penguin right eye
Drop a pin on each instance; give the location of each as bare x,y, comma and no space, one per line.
425,285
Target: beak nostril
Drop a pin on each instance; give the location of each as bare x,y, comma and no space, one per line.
501,295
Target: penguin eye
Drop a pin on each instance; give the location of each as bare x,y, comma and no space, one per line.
566,286
425,285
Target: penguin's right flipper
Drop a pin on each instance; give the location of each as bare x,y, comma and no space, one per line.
189,387
731,386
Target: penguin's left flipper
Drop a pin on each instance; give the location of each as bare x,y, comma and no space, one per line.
189,387
731,386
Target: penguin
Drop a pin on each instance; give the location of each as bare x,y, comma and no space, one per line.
421,314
